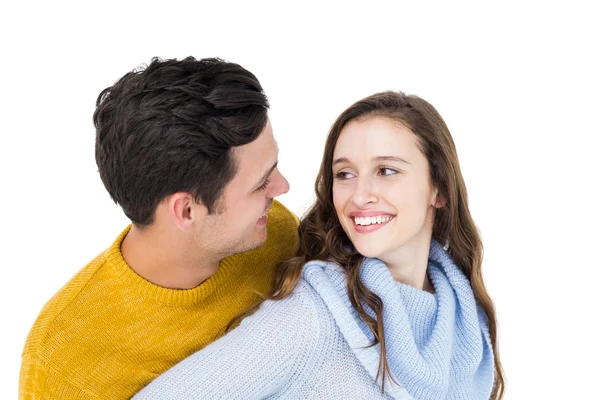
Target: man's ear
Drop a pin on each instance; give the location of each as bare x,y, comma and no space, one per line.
184,211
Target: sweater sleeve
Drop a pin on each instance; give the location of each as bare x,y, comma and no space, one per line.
38,381
255,360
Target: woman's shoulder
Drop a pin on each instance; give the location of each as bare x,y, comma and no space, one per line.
302,300
329,267
302,309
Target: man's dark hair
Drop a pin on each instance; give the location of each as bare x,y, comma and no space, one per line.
170,127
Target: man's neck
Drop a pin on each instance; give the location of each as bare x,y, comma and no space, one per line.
166,260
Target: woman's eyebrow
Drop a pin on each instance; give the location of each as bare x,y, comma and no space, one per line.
390,158
340,160
378,158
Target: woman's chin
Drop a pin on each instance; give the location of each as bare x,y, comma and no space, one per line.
367,251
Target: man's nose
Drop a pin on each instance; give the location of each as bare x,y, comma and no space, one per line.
281,185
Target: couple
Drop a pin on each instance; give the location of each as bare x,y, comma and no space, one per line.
378,292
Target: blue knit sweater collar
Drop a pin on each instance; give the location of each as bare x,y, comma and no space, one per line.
438,345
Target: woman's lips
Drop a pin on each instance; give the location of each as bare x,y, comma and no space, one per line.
366,224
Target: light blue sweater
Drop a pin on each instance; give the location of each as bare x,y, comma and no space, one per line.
314,345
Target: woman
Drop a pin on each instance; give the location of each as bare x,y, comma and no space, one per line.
385,296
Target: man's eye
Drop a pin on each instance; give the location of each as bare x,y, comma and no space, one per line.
265,185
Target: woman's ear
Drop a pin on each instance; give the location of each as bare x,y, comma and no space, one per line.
438,200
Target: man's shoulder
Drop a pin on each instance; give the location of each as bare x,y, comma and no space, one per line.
44,330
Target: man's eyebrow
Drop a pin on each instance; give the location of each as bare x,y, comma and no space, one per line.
380,158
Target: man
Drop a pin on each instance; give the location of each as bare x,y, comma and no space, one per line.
187,150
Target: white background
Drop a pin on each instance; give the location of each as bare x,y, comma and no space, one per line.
516,83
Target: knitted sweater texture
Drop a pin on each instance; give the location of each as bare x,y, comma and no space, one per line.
108,332
314,345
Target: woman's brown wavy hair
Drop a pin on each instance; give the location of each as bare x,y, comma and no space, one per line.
321,236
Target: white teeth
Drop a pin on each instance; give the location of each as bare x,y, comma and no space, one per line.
379,219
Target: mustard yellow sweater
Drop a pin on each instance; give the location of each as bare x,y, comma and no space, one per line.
108,332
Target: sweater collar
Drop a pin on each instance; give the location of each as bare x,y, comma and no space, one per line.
438,345
137,285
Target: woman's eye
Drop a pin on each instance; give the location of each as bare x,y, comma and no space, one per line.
387,171
343,175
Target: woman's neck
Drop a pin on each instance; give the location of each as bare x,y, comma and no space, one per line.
409,264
